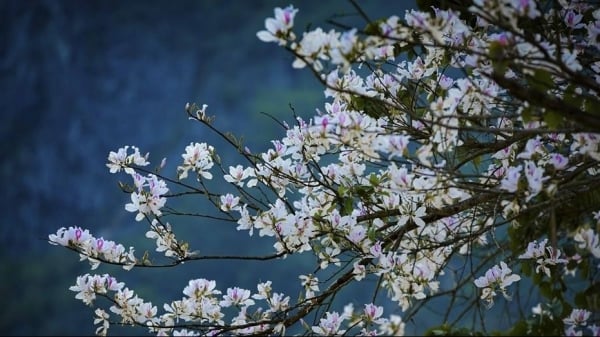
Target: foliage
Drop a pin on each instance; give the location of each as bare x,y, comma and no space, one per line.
455,160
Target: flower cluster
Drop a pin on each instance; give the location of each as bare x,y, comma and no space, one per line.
120,160
93,249
198,158
543,255
148,197
367,320
200,305
578,319
166,241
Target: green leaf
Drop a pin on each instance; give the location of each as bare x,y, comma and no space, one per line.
348,206
498,57
342,190
546,289
448,330
370,106
364,192
572,97
519,329
526,268
592,298
477,161
541,81
372,234
553,119
527,114
374,179
592,106
126,187
373,28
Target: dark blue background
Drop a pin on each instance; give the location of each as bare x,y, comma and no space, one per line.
81,78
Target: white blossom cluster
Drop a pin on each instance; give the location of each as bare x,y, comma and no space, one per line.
392,196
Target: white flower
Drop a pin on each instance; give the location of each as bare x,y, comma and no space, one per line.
101,318
198,158
185,332
373,313
310,284
121,160
535,178
198,288
510,182
237,175
495,279
392,326
147,202
330,325
277,28
411,211
543,255
359,271
84,288
237,297
534,250
578,317
229,202
588,239
559,161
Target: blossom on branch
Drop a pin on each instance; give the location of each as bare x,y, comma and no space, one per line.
495,279
120,160
198,158
450,137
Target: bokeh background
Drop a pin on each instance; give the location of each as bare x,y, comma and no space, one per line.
81,78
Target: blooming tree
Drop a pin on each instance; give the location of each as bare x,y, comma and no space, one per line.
457,157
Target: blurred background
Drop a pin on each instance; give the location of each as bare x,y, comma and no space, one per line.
81,78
